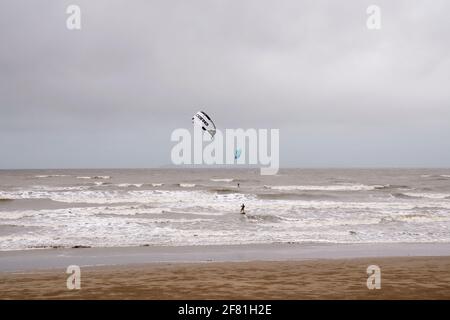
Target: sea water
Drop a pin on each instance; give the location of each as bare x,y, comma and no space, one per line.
174,207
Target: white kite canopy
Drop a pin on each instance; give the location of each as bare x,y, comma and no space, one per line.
204,121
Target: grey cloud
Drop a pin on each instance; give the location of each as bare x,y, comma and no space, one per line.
139,69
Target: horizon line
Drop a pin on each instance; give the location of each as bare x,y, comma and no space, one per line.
230,167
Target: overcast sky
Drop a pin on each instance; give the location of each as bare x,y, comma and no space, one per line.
110,94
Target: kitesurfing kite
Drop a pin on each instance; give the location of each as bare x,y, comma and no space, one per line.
237,154
204,121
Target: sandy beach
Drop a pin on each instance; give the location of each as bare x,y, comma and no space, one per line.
402,278
408,271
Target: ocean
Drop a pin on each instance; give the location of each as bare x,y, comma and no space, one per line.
178,207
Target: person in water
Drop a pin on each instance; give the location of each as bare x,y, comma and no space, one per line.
238,184
242,209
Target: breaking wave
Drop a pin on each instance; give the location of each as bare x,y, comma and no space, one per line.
52,176
186,185
349,187
426,195
128,185
294,196
94,177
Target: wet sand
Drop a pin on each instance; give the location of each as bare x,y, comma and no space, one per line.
401,278
32,260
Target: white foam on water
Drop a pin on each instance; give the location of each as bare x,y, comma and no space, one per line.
180,197
187,185
222,180
428,195
55,188
52,176
349,187
177,223
127,185
94,177
125,196
129,217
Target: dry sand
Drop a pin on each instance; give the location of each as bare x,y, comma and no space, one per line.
401,278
